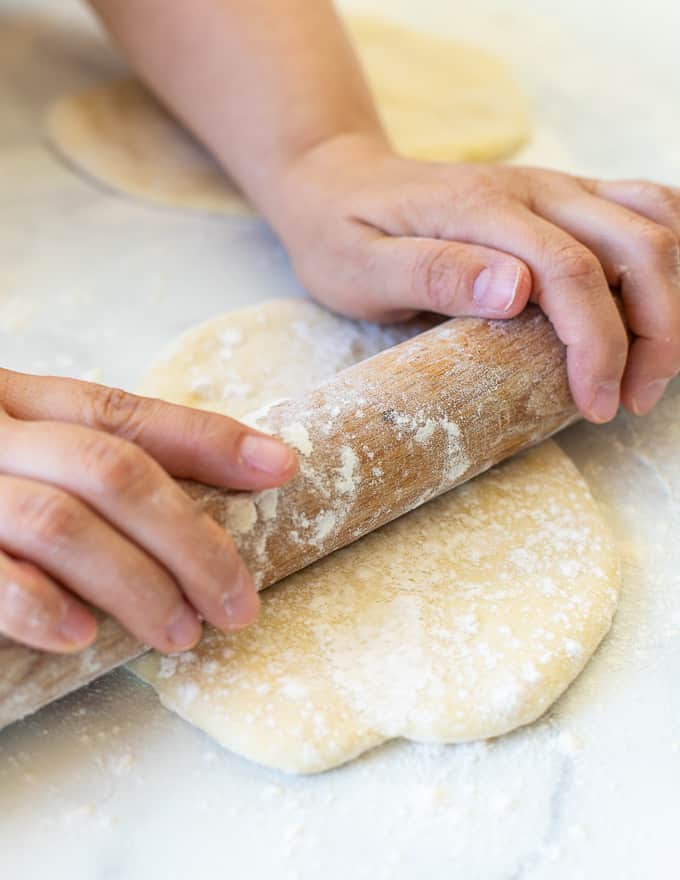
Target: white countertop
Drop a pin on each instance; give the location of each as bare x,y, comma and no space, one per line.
107,784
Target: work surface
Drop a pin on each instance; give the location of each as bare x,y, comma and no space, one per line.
107,784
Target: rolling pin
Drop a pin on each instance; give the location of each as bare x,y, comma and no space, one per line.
377,440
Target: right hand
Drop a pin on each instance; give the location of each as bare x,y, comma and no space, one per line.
393,235
88,510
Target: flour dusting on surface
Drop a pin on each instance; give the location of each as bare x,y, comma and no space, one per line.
464,619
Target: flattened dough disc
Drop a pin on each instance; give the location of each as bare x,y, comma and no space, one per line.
439,101
462,620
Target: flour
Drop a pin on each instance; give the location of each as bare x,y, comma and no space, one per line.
464,619
424,433
241,515
298,437
229,338
324,525
347,480
267,503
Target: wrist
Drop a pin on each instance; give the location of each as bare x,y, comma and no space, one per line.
321,174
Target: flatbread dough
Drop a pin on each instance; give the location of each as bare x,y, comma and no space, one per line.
462,620
439,101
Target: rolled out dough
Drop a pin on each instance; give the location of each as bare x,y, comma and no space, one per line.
462,620
438,100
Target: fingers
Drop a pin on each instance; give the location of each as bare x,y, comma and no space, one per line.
37,612
440,276
643,259
188,443
150,521
75,547
570,286
574,293
652,200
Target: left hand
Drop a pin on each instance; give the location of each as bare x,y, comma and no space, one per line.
377,236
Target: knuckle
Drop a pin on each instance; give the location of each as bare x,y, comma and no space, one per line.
51,516
114,410
478,182
119,467
432,282
659,241
575,264
482,196
658,193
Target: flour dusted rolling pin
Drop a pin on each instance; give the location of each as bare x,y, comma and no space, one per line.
377,440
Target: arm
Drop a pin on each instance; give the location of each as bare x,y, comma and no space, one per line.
260,82
273,89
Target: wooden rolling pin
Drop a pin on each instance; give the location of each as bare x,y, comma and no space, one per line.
377,440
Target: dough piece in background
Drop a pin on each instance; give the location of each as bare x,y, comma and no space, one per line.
462,620
439,100
122,137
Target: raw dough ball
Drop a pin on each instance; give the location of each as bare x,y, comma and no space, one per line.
462,620
439,101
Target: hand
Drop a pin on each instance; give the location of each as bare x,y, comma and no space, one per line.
88,509
377,236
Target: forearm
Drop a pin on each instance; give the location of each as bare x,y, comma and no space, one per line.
260,82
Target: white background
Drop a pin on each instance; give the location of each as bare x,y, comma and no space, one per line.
107,784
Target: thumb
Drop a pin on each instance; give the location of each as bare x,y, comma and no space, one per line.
447,277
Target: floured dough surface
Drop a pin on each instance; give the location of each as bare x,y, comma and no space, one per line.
462,620
439,101
242,361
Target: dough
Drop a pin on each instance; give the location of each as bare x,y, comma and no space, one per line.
239,362
462,620
122,137
439,100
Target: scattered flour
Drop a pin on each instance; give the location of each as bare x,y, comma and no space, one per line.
297,435
241,514
437,626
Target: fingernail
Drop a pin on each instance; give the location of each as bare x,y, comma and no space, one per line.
241,603
266,454
605,402
649,396
77,626
495,289
184,629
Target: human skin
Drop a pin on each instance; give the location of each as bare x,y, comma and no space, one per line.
273,89
88,510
